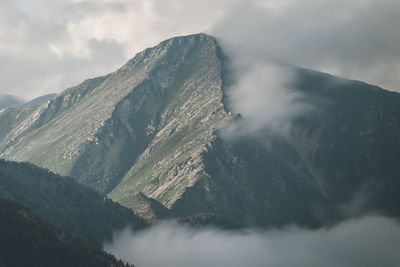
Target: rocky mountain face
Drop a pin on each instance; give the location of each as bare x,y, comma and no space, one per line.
104,132
149,136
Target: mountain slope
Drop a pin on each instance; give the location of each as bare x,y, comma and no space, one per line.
173,112
167,98
148,92
26,240
351,143
60,200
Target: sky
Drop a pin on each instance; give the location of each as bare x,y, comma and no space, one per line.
47,46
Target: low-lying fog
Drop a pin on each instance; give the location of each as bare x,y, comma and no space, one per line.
368,241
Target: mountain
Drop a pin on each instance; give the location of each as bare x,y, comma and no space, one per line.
150,136
9,101
27,240
98,130
63,202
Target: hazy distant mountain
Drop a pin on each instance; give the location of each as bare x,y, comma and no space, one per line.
39,100
26,240
9,101
148,135
60,200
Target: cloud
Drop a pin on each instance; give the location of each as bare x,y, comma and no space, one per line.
264,96
369,241
29,68
136,24
350,39
354,39
57,44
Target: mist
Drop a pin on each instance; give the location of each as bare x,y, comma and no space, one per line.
363,242
264,96
264,40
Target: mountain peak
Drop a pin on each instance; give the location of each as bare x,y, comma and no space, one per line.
160,95
171,45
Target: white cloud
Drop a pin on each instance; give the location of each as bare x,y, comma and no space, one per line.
135,25
28,67
264,97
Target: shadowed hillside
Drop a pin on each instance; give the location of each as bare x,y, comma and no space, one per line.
26,240
63,202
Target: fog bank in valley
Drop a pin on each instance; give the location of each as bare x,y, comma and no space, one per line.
364,242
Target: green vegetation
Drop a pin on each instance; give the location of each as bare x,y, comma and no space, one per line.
209,219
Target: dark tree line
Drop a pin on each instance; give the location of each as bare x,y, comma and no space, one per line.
26,240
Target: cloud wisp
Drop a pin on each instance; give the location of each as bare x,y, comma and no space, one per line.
365,242
264,97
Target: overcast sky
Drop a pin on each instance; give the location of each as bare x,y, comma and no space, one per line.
47,46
